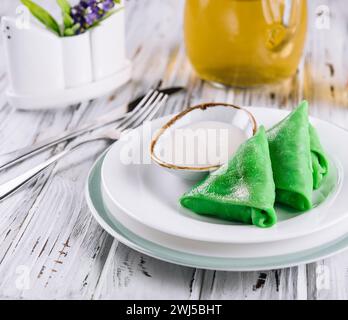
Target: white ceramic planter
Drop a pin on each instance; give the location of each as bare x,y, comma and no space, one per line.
34,60
108,45
46,71
77,60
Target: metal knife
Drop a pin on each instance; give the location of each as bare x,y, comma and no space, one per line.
19,155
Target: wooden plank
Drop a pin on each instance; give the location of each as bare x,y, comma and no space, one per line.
130,275
325,84
46,230
265,285
54,236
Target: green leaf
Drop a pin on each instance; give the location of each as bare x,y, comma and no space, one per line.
64,6
68,32
117,1
66,10
68,20
42,15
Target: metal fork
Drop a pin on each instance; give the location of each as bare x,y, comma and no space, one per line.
153,103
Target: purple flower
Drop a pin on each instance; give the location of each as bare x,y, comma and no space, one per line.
88,12
91,18
107,5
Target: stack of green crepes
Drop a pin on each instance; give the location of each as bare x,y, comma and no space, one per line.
283,164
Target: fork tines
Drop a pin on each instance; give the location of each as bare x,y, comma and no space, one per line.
145,110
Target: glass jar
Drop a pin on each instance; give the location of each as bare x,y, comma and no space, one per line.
245,42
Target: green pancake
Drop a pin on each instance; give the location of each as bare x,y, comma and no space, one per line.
289,145
241,190
320,163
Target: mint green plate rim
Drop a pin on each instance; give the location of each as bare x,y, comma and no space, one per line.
136,242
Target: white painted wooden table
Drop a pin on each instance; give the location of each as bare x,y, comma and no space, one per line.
47,234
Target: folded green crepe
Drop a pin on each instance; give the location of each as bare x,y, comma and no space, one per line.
241,190
298,160
289,146
320,163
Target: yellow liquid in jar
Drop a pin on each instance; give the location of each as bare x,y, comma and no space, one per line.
245,42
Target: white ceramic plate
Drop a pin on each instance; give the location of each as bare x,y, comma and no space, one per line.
150,195
136,242
225,250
